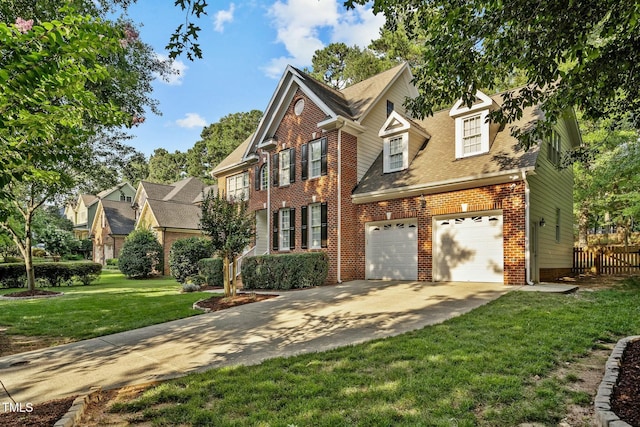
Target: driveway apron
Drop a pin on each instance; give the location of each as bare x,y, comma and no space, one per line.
296,322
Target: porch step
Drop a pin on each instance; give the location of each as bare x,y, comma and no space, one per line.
556,288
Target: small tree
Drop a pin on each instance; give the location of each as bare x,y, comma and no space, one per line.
230,225
141,254
185,254
57,242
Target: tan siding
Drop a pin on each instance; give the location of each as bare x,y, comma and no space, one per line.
551,189
369,143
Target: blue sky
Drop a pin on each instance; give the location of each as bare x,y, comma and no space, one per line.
246,47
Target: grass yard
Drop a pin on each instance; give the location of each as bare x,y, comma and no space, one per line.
491,367
112,304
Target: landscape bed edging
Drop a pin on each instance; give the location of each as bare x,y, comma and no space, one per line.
605,417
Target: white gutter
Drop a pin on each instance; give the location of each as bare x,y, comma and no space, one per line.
527,223
436,187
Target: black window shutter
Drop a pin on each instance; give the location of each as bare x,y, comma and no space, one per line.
303,229
323,158
304,160
256,178
275,168
323,225
292,228
275,240
292,165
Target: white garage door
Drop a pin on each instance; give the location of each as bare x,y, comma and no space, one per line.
392,250
468,249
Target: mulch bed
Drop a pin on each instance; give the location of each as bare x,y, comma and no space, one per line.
42,415
625,400
220,303
34,293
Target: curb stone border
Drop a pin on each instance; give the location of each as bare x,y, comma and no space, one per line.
605,417
78,407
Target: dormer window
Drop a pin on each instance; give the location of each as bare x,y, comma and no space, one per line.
395,142
397,152
472,126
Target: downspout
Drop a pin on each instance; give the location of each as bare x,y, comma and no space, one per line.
268,204
527,226
339,276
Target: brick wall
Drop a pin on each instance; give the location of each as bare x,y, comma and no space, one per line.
510,201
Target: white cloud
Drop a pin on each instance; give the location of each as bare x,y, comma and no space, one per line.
304,26
191,120
178,69
222,17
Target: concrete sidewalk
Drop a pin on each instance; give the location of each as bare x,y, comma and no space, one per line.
296,322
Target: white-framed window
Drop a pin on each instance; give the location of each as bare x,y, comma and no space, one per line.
315,230
238,186
125,198
472,134
284,168
285,227
553,146
315,159
264,177
396,153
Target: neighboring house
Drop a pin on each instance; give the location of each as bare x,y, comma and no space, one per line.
113,221
82,212
171,211
447,198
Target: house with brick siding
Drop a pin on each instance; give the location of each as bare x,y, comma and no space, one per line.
112,223
171,211
451,197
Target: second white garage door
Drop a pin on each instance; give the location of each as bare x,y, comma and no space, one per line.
468,249
392,250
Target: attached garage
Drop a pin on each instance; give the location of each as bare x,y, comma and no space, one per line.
468,248
392,250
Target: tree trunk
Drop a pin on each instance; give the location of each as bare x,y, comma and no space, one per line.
227,286
234,264
583,228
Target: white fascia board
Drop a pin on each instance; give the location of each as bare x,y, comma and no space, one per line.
459,109
341,122
441,186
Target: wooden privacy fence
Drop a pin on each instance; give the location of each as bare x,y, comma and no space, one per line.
607,260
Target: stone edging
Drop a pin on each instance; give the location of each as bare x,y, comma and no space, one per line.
605,417
78,407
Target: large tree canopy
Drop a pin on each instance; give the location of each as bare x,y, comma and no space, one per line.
581,53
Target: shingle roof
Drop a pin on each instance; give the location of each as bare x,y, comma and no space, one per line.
175,215
334,99
155,190
235,157
88,199
120,216
437,163
206,190
185,191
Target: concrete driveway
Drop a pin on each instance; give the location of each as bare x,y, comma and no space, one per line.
296,322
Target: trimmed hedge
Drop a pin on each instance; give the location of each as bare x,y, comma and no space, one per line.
212,270
288,271
185,254
54,273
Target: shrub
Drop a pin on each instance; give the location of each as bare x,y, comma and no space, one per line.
38,252
50,273
212,270
141,254
112,262
197,279
285,271
185,254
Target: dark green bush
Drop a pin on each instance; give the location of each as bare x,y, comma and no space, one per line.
112,262
52,273
288,271
141,254
185,254
211,269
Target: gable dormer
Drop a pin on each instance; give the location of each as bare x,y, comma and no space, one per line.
472,128
401,140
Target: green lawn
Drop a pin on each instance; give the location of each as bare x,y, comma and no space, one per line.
491,367
112,304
